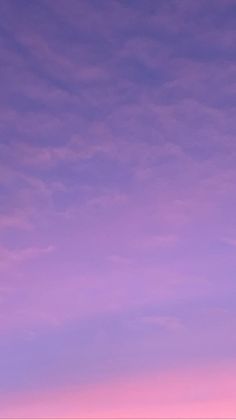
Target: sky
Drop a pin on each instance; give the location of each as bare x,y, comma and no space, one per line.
117,209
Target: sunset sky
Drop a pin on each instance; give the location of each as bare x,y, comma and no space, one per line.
117,208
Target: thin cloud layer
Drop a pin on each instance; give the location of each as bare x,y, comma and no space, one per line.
117,206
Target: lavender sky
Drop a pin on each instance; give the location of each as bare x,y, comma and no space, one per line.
117,208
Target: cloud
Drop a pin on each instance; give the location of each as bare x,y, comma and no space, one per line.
157,241
170,323
231,241
10,257
18,221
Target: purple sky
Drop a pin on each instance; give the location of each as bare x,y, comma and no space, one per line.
117,208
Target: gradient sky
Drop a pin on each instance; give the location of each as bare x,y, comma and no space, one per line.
117,208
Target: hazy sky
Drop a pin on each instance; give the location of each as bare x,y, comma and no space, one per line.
117,208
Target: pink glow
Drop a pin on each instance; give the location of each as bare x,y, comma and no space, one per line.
188,393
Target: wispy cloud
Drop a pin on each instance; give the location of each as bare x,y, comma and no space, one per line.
231,241
9,257
169,323
14,221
